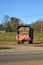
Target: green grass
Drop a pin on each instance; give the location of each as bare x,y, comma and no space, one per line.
11,36
38,37
8,36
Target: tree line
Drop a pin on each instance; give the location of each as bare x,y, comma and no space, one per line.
37,25
10,24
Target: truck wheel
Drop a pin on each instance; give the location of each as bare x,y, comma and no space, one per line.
18,42
22,41
31,42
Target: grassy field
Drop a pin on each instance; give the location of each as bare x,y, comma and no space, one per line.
8,36
38,37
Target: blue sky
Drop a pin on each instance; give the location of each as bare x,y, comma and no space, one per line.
27,10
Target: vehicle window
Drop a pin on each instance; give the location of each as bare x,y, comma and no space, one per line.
24,30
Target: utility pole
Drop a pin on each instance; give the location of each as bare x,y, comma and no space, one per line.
41,26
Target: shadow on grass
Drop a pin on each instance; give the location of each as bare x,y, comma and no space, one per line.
1,48
37,42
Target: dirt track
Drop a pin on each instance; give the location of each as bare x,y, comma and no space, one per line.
15,45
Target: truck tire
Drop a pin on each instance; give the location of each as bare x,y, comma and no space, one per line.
31,42
18,42
22,41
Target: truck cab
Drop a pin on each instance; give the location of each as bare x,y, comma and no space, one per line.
24,33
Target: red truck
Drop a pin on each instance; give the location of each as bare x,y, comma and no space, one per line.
24,33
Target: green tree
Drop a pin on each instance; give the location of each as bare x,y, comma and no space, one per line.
11,24
1,27
15,23
6,20
38,26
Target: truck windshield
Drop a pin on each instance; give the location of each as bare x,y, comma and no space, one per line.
24,30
